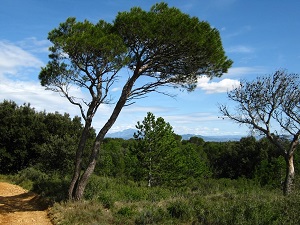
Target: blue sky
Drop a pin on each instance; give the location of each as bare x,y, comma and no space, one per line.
259,36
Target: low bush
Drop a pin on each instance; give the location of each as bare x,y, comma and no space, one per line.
180,209
79,213
151,215
52,186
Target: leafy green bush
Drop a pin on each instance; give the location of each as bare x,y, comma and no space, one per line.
52,186
126,211
106,200
179,209
29,177
151,215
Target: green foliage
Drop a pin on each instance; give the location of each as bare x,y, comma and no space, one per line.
157,151
234,159
112,158
51,186
97,47
151,215
164,36
179,209
271,172
126,211
20,130
44,140
195,160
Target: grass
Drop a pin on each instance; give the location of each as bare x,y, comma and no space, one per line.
81,212
211,202
223,201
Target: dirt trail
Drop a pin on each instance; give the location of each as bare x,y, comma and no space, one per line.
20,207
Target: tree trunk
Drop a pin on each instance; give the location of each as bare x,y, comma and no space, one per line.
83,180
290,170
78,160
290,175
75,178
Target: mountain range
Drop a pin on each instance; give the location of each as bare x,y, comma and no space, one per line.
128,133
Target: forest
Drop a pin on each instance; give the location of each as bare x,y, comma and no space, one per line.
179,181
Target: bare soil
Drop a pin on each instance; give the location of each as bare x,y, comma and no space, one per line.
21,207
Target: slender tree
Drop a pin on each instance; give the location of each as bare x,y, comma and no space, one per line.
162,47
157,150
271,105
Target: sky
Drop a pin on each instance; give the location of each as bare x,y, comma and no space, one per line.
259,36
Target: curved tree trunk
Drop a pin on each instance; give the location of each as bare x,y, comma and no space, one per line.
83,180
78,162
88,171
290,175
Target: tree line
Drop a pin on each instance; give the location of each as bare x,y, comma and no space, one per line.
155,156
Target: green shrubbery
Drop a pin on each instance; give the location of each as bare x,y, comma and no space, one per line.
52,186
214,202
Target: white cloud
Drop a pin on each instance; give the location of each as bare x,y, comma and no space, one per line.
41,99
206,124
31,92
191,118
32,44
15,66
116,89
222,86
145,109
13,59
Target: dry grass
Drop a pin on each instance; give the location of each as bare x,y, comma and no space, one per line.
81,212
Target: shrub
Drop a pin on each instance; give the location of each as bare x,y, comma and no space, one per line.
78,213
52,186
179,209
30,177
126,211
151,215
106,200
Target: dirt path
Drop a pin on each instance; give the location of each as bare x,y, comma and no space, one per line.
20,207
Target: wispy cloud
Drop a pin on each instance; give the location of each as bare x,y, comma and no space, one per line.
41,99
201,123
13,59
192,118
143,109
34,45
15,64
31,92
222,86
240,49
242,71
241,31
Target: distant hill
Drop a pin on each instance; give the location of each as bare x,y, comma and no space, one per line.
222,138
128,133
125,134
